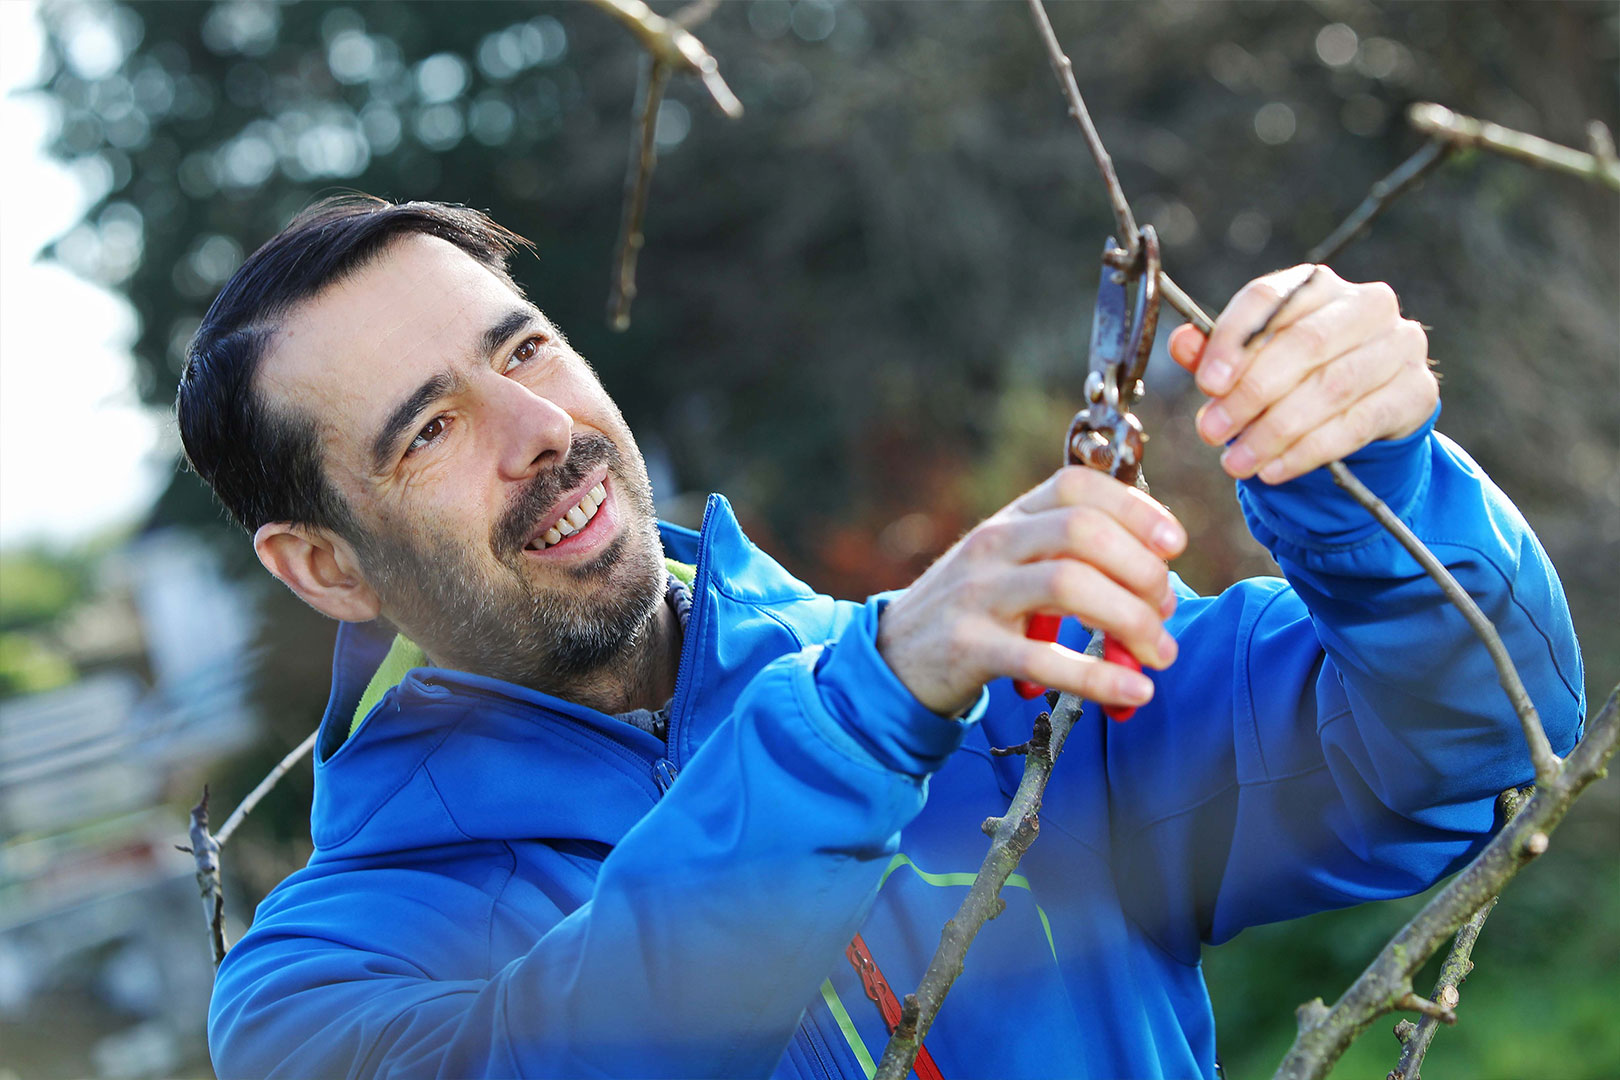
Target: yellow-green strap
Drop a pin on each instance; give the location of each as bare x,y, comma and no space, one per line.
847,1026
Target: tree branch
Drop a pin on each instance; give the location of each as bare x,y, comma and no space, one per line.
1415,1038
263,787
637,184
1011,834
204,850
1408,175
205,847
1439,122
1063,68
671,47
1387,981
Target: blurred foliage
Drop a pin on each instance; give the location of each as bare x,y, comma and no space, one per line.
863,308
28,665
39,584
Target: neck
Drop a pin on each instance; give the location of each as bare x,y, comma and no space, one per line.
642,679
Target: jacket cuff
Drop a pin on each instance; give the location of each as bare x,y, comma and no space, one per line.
872,707
1311,512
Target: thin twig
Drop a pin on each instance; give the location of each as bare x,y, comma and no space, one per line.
1388,978
669,41
1439,122
1282,301
1415,1039
1011,834
1535,736
637,184
671,47
263,787
1063,68
205,846
204,850
1408,175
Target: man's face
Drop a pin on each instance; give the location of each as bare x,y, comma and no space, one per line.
505,514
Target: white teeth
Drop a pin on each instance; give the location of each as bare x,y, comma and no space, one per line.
575,519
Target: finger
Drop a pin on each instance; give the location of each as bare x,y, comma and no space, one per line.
1064,669
1227,355
1071,587
1094,537
1321,395
1282,363
1187,345
1145,517
1349,430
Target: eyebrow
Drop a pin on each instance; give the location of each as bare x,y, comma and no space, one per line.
404,415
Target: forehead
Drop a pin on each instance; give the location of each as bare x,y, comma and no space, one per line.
345,355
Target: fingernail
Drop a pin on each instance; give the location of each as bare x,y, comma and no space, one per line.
1238,460
1167,606
1166,648
1215,373
1166,537
1136,689
1272,471
1216,423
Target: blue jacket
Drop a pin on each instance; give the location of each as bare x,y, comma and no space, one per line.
507,884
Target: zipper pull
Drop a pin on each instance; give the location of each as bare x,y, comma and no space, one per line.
664,773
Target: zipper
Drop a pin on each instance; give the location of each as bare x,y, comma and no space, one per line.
664,773
878,990
812,1045
694,633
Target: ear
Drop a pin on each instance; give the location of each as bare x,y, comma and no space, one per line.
321,568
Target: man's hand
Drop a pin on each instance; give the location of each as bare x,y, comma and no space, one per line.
1338,368
1080,544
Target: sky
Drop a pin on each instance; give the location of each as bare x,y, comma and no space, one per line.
78,453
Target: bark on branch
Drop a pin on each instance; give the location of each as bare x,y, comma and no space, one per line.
1010,836
1598,164
1386,983
205,846
671,48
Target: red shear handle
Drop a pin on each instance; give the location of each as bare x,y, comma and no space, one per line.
1041,628
1115,653
1045,628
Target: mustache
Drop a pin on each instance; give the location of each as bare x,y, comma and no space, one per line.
586,452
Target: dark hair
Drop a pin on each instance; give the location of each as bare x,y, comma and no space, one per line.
264,462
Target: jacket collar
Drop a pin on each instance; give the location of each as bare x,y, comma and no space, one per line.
479,758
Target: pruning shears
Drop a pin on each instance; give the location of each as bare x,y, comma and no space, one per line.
1105,435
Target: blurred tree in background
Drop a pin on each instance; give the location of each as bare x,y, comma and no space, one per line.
863,308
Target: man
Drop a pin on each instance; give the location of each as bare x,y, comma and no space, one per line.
620,799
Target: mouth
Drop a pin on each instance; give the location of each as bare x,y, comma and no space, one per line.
574,524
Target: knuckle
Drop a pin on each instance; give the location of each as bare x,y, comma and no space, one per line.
1414,341
1340,382
1381,298
1067,583
1309,336
1072,482
1083,527
987,541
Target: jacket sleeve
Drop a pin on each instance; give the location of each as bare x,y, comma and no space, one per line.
1340,736
709,927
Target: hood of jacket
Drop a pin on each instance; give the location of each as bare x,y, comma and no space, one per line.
415,773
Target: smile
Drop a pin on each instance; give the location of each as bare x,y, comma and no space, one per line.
572,521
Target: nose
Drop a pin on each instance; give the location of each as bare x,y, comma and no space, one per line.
531,432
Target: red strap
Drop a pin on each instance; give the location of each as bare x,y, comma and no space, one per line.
877,988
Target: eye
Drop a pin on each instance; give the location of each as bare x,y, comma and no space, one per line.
431,432
524,353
